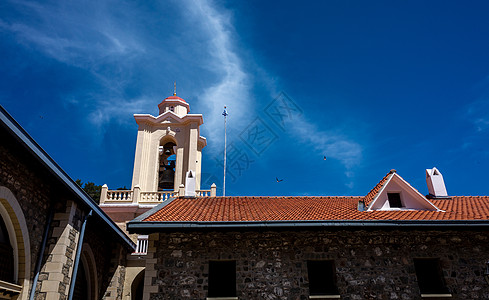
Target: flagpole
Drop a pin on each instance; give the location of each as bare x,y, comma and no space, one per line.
225,146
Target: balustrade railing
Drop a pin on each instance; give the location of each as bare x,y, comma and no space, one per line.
137,196
203,193
141,245
119,196
156,196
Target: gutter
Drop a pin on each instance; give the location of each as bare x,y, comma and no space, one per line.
39,153
137,225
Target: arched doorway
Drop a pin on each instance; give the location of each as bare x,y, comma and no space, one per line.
86,277
6,254
137,286
81,290
15,259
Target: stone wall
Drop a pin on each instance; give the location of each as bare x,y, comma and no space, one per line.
272,265
56,272
32,191
37,191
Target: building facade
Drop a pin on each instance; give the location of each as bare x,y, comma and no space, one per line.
167,238
55,242
393,243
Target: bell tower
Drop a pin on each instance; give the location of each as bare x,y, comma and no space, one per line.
168,146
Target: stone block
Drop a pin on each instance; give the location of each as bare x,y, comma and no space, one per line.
50,286
53,267
58,277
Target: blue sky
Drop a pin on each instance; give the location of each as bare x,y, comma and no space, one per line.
371,85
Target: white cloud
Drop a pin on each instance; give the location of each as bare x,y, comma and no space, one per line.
233,84
328,143
478,114
124,44
82,34
128,46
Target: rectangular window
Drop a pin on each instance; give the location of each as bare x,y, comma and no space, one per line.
222,278
430,276
322,277
394,199
141,245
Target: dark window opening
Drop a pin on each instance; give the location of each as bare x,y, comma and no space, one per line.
322,277
394,199
6,255
172,108
430,276
222,278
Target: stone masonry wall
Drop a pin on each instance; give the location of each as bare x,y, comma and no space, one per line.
110,261
56,272
369,264
36,191
31,191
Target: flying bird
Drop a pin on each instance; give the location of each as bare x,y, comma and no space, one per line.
278,180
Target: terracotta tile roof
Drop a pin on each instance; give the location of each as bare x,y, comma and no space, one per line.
218,209
371,195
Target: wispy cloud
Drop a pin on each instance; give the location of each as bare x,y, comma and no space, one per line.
128,47
328,143
232,85
478,114
81,34
132,47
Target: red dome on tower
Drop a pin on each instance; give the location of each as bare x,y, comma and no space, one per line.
174,98
175,104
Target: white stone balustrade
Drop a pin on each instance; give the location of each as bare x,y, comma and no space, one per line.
156,197
119,196
202,193
148,198
141,245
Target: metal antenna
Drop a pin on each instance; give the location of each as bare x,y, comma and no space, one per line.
225,114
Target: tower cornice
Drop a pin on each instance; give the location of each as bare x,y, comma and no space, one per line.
150,119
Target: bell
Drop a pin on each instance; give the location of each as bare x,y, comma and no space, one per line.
167,152
167,178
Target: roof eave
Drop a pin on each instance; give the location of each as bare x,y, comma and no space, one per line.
137,226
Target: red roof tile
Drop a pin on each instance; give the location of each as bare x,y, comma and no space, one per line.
217,209
371,195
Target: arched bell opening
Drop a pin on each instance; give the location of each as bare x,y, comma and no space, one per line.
166,170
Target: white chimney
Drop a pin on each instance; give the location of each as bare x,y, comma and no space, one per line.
436,185
190,184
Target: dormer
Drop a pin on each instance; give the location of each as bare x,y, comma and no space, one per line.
394,193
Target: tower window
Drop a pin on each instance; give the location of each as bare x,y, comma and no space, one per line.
222,278
430,276
322,277
166,174
394,199
172,108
